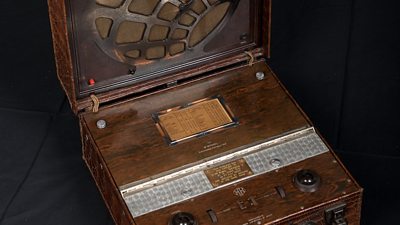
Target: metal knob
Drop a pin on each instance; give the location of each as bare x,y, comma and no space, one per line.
183,218
260,75
101,124
307,181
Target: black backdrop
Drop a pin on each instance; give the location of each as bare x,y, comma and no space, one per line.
339,58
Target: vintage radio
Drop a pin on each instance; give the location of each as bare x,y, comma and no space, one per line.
184,123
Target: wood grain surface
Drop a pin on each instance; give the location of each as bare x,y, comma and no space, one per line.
134,149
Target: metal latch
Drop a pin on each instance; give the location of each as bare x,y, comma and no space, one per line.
336,215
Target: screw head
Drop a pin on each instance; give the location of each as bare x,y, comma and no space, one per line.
101,124
132,70
260,75
275,162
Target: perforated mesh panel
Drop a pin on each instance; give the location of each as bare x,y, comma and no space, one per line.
178,24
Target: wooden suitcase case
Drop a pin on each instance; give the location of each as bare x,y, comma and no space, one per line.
183,122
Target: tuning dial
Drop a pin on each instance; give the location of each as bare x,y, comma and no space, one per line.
183,218
307,181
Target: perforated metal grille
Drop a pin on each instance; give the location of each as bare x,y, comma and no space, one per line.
168,193
263,160
286,154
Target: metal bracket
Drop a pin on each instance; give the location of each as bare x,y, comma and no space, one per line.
336,215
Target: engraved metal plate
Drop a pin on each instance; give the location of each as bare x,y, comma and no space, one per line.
195,119
228,172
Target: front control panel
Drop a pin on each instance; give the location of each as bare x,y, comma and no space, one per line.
269,198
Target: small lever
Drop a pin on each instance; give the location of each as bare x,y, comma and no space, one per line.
253,201
213,216
281,191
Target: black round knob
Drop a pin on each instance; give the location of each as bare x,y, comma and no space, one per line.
183,218
307,180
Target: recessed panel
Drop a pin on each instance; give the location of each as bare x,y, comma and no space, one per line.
110,3
187,20
158,33
143,7
180,34
193,120
168,12
103,26
176,48
133,54
130,32
211,2
155,52
198,7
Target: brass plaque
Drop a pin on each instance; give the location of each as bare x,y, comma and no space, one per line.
203,116
228,172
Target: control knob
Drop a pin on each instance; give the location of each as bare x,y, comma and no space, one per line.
307,181
183,218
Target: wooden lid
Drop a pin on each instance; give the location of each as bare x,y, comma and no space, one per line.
115,48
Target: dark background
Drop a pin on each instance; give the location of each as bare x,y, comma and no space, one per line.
339,58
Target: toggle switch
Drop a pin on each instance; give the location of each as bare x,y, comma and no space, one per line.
253,201
281,191
213,216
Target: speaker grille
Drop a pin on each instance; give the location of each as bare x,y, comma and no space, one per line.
155,29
